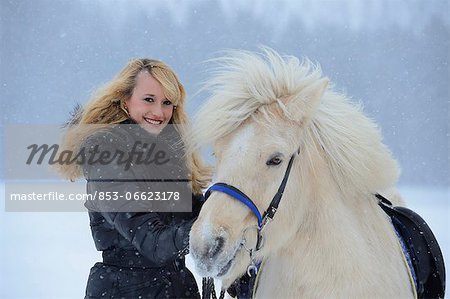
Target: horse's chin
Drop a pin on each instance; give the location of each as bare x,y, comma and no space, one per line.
220,268
226,268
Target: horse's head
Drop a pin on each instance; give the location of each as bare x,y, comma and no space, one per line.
263,111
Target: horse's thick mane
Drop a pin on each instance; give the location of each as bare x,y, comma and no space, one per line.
246,83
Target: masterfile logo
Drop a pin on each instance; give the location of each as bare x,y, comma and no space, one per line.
122,169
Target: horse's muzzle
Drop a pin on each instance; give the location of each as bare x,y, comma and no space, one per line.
212,255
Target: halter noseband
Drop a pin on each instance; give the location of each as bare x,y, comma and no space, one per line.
269,213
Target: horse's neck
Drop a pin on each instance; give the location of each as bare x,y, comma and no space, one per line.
345,247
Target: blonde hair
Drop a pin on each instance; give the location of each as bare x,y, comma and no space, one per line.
107,107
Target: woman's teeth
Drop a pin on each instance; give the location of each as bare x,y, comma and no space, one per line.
152,121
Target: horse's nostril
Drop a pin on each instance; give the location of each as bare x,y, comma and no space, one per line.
216,247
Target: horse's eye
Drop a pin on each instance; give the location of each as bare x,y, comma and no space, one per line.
274,161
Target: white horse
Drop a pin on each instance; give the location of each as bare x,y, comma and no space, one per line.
329,238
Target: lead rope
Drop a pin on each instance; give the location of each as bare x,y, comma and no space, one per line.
208,289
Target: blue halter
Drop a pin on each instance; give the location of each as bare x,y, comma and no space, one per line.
242,197
262,220
237,194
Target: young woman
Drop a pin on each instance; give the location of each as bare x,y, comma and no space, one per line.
143,250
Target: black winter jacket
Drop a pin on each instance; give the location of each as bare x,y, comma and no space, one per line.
143,250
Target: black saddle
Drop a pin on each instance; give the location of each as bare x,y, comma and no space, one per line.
421,246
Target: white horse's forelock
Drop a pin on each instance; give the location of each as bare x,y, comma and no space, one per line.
244,83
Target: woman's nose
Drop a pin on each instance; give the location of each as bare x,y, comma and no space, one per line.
157,111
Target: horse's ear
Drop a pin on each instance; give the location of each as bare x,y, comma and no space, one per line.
305,103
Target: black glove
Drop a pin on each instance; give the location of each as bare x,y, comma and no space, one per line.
197,203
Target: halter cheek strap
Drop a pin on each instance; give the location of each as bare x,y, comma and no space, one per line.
270,212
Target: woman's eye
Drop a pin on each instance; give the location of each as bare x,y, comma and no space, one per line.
274,161
167,103
148,99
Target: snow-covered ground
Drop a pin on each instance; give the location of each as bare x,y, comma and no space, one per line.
48,255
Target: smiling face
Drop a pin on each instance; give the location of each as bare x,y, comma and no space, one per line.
148,105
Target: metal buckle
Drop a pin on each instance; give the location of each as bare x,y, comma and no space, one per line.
252,269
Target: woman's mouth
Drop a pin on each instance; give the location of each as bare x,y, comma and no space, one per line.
153,121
